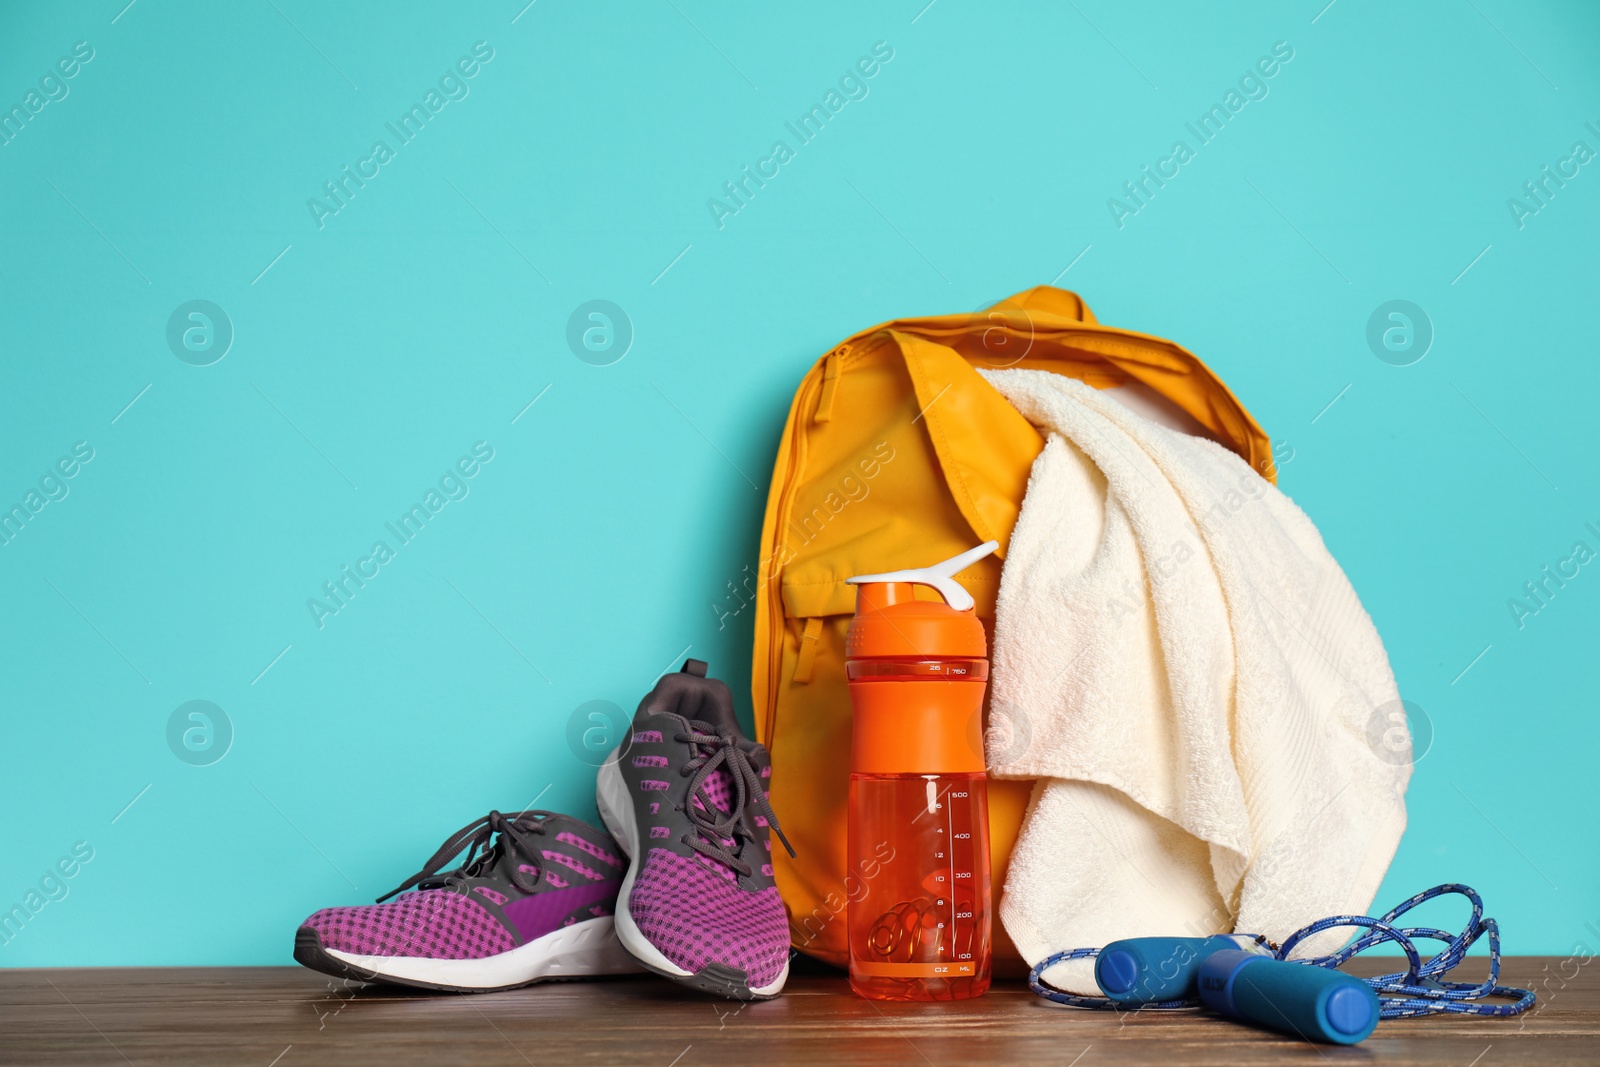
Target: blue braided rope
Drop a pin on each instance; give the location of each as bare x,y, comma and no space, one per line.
1421,989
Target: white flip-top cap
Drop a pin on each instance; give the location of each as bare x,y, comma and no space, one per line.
938,577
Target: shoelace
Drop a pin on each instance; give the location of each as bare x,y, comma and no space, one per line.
1421,989
475,837
715,751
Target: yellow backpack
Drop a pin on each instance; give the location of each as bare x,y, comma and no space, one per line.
897,454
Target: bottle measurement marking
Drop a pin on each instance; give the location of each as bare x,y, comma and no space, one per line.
934,804
950,847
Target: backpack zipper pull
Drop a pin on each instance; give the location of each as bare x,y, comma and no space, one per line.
830,382
808,651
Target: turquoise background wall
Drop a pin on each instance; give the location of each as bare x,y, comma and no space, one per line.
350,356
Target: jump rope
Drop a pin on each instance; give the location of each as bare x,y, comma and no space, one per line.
1421,989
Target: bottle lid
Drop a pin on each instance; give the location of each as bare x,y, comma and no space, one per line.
891,621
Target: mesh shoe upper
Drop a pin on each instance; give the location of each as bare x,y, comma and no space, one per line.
437,923
697,917
704,891
536,871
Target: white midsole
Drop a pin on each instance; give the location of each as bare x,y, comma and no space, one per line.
616,811
589,947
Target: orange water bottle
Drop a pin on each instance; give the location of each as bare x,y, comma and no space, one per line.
919,910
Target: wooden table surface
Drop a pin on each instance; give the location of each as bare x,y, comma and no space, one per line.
291,1017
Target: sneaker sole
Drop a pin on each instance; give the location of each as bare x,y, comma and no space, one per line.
719,979
583,950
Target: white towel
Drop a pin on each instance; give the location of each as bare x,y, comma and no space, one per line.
1188,672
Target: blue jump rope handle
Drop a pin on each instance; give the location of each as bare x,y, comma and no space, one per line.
1150,970
1309,998
1314,1003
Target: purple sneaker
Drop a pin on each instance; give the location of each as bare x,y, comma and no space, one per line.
532,900
686,798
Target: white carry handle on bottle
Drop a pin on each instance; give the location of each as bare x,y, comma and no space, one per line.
939,576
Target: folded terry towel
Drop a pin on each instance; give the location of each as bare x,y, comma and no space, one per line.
1188,672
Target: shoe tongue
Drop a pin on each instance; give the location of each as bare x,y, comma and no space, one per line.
688,693
695,698
507,859
718,788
